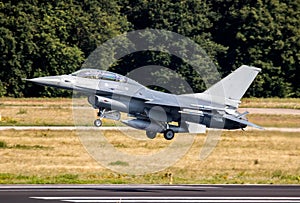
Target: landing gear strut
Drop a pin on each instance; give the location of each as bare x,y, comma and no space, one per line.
100,114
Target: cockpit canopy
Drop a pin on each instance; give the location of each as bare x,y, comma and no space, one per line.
100,75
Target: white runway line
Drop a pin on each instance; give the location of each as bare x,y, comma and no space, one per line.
67,128
171,199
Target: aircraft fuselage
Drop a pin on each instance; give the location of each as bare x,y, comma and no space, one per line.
155,111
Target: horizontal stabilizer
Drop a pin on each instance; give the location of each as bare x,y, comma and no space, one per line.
242,121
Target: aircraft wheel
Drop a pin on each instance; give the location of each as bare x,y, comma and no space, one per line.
97,122
169,134
150,134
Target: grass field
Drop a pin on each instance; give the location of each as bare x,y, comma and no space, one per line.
291,103
240,157
273,120
59,112
59,157
284,103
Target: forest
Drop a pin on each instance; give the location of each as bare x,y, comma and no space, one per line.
53,37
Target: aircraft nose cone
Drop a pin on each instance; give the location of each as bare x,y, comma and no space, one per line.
48,81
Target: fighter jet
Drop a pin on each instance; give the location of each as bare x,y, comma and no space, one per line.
160,112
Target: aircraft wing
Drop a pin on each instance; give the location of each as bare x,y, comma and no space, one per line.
182,102
242,121
169,103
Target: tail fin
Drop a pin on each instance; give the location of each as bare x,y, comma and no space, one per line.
234,85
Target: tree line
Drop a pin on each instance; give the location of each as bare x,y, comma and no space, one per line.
52,37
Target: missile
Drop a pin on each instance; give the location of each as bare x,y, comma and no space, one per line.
151,126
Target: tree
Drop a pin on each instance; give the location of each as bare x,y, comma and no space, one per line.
41,38
192,19
263,34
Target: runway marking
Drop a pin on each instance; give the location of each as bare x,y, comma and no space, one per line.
171,199
69,128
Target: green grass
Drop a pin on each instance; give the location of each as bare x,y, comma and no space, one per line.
22,111
36,179
27,147
48,157
3,144
274,177
119,163
284,103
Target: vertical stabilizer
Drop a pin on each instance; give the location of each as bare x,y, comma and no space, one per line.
234,85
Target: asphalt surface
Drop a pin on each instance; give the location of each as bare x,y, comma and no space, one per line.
148,193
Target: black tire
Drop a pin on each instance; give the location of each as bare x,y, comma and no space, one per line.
169,134
98,123
150,134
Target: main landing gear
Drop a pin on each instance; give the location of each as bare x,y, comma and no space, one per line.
169,134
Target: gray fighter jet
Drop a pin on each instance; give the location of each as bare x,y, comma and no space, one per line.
159,112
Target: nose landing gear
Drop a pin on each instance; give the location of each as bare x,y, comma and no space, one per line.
106,113
98,123
100,114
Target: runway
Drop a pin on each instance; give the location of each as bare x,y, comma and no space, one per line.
148,193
